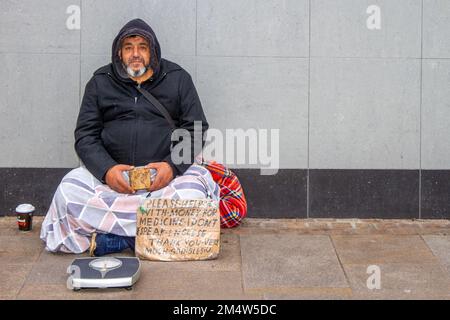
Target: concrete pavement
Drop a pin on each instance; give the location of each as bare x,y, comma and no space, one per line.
262,259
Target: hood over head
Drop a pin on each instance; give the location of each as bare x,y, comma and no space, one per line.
140,28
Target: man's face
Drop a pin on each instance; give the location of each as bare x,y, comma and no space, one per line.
135,55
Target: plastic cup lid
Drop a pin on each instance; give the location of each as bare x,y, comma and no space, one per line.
25,208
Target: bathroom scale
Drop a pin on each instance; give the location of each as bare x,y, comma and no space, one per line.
103,272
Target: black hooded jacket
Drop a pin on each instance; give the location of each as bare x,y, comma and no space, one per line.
117,125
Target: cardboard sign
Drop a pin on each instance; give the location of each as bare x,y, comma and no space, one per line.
178,230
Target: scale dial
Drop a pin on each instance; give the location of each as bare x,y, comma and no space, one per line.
105,265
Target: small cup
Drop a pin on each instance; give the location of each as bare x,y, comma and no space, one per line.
25,216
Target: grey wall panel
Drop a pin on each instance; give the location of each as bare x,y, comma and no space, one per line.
339,28
260,93
253,28
436,114
436,29
364,113
37,27
38,106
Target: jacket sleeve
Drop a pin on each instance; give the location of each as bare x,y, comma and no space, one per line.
190,110
88,143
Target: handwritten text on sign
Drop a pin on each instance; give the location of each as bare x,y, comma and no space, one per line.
173,230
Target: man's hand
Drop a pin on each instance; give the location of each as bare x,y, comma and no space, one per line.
164,174
115,180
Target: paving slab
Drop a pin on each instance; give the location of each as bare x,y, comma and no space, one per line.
12,278
270,262
164,282
309,294
401,281
440,246
21,248
377,249
51,268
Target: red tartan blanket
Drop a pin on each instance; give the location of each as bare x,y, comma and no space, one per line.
233,206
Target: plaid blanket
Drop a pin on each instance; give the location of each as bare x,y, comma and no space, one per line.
233,205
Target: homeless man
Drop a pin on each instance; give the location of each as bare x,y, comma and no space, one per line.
94,207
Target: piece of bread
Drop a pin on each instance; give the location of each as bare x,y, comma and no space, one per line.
140,178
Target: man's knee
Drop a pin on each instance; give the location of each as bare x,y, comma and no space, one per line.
189,185
79,178
190,179
78,174
72,174
196,170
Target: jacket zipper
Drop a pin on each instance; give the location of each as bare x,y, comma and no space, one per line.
133,142
136,123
